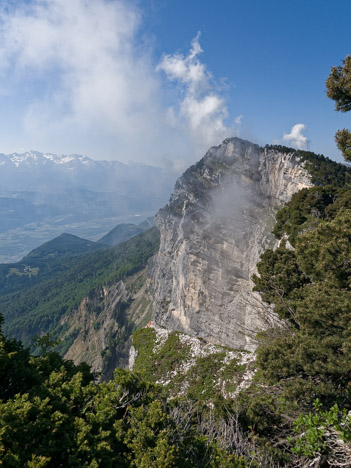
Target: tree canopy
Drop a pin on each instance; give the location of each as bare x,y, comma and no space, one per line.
339,89
52,414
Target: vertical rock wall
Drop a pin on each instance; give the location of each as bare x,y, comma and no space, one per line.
215,227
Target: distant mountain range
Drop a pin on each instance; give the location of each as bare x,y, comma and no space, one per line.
43,195
51,172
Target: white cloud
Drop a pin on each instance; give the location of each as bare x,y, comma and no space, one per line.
94,80
296,137
238,120
202,110
85,82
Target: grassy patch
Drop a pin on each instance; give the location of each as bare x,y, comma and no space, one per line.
171,355
144,341
204,376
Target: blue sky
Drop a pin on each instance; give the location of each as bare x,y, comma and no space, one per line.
161,81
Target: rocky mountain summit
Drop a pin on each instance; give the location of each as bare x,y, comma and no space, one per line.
213,230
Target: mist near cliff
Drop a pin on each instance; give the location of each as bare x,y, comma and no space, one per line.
44,195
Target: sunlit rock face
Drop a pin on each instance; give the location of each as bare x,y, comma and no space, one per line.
216,225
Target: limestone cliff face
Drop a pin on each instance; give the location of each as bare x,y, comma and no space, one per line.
216,225
102,325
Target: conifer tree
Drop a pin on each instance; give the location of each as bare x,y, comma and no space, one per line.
339,89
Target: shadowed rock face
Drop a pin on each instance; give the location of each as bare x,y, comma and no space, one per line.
213,230
103,323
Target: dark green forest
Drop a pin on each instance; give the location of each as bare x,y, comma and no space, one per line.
36,292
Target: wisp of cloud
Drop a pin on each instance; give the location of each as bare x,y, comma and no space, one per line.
84,81
201,108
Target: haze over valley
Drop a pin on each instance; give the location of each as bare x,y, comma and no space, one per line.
44,195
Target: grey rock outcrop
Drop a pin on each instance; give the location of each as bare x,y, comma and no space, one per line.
213,230
102,325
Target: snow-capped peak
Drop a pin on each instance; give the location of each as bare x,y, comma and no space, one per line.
31,158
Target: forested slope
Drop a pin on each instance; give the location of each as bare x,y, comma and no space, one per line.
35,295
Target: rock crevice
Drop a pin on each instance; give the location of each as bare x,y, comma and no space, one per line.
213,231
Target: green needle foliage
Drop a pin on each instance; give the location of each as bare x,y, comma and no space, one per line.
310,287
339,85
53,415
343,142
304,364
339,89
